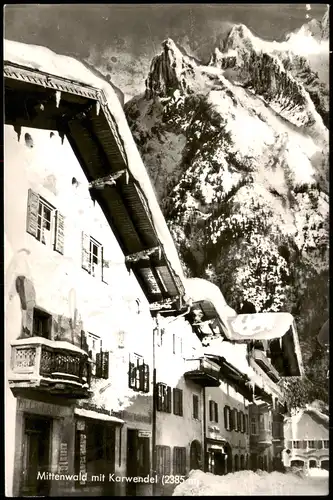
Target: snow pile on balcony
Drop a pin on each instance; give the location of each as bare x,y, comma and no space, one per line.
249,483
45,60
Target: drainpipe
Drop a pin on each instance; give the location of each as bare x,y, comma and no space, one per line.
204,430
155,330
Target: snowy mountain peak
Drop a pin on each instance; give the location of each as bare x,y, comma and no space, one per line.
240,37
168,71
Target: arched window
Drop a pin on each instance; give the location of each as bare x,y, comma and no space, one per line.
312,463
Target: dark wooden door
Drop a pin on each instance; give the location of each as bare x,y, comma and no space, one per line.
36,456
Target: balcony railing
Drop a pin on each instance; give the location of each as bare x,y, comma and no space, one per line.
203,371
54,366
261,440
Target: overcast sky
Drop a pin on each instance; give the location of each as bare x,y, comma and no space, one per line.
125,37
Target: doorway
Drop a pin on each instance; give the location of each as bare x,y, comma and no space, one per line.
36,456
138,458
195,455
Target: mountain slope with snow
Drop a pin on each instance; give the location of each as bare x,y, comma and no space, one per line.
238,153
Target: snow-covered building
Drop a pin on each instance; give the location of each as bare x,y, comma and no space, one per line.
105,369
87,254
307,439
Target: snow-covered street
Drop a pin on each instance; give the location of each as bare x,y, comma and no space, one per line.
250,483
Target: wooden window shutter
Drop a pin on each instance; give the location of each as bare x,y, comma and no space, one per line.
59,232
146,378
225,417
86,252
211,410
99,370
84,343
239,421
231,417
105,364
32,212
105,266
169,409
304,444
168,458
180,402
289,444
159,397
216,410
319,444
131,375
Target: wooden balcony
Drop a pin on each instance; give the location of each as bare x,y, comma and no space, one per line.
264,363
261,440
49,366
203,372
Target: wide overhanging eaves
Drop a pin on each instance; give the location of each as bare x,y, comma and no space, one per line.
80,113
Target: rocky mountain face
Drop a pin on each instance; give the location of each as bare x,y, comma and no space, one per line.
238,152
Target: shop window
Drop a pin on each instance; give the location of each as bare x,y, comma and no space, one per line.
195,406
163,460
213,411
99,445
178,402
179,461
41,326
138,374
163,397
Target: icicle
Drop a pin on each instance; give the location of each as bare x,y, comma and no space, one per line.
18,130
58,97
126,176
98,107
61,135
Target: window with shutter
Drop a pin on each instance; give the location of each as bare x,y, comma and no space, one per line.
178,402
92,256
105,365
235,419
195,406
146,378
319,444
59,233
179,461
226,412
211,410
94,349
239,421
163,398
216,411
40,221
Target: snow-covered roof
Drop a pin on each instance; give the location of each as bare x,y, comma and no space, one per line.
56,344
44,60
82,412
